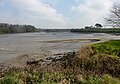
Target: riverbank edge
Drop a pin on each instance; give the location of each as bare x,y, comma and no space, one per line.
69,63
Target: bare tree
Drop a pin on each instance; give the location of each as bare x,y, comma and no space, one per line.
114,17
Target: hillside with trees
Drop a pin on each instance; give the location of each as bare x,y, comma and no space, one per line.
10,28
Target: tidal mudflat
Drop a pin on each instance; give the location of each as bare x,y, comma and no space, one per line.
42,44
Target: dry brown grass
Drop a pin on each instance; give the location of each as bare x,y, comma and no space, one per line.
93,63
85,52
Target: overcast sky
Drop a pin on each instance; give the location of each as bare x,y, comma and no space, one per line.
55,13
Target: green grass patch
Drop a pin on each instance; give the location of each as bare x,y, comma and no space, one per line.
111,48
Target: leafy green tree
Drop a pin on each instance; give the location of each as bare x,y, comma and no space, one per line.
97,25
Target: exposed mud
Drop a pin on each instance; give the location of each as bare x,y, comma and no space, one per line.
18,48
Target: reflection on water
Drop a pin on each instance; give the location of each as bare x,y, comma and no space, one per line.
13,45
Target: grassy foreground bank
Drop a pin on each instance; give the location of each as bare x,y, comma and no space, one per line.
92,64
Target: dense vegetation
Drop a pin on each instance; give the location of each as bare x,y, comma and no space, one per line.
92,64
97,30
8,28
56,78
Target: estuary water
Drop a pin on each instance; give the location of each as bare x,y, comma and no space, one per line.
14,45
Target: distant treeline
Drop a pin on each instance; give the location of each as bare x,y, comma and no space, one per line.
55,30
97,30
87,30
10,28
